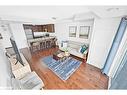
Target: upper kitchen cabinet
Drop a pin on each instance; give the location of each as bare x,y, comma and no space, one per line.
44,27
40,28
35,28
50,28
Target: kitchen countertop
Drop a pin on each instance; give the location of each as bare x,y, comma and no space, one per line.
39,39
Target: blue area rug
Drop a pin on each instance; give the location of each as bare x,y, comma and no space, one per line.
62,69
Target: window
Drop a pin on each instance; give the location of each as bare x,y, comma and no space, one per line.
84,32
72,31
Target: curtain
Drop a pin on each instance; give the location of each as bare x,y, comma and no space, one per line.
119,81
115,46
119,57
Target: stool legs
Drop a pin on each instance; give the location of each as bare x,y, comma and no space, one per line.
42,45
48,44
35,47
45,44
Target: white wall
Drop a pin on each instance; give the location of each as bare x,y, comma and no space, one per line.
6,34
19,35
103,33
5,70
62,31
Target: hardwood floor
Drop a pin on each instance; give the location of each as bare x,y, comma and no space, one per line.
86,77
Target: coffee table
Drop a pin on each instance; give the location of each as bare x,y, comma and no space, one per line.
60,55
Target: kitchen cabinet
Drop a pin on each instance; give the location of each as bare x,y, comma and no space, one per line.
40,28
50,28
44,28
35,28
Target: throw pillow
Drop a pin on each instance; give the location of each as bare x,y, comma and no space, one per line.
83,49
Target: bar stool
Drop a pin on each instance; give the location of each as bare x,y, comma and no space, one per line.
48,43
35,46
42,45
53,42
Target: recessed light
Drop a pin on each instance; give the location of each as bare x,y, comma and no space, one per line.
54,18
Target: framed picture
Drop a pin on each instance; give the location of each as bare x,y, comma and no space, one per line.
72,31
84,32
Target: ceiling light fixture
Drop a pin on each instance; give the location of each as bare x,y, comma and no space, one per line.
54,18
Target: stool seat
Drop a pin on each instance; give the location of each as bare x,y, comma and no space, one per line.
35,46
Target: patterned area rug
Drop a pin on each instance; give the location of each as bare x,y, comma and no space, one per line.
62,69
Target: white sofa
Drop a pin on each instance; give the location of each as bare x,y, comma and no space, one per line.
22,77
73,48
30,81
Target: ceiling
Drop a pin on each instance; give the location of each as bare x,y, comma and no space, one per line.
109,11
46,14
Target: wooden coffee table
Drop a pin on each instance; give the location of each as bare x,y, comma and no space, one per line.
60,55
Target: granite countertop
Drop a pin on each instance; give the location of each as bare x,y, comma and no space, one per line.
40,39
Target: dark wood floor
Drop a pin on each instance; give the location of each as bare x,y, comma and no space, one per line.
86,77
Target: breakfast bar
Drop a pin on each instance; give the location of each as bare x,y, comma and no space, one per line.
42,43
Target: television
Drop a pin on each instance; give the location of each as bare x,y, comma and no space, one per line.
18,57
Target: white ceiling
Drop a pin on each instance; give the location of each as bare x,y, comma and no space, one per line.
109,11
45,13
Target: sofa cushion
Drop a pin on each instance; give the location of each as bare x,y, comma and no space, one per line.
16,84
31,81
75,52
74,45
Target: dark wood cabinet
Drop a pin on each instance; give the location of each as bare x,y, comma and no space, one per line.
40,28
44,28
35,28
50,28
